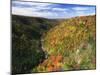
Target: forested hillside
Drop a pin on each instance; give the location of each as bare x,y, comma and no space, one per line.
45,45
26,42
71,45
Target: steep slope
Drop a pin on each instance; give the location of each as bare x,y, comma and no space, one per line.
71,45
42,45
26,42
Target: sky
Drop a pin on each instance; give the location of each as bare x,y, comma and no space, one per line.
51,10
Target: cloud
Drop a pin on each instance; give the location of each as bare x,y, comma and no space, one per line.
38,10
36,13
21,3
84,10
80,8
49,10
60,9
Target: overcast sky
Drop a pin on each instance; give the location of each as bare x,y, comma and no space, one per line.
50,10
